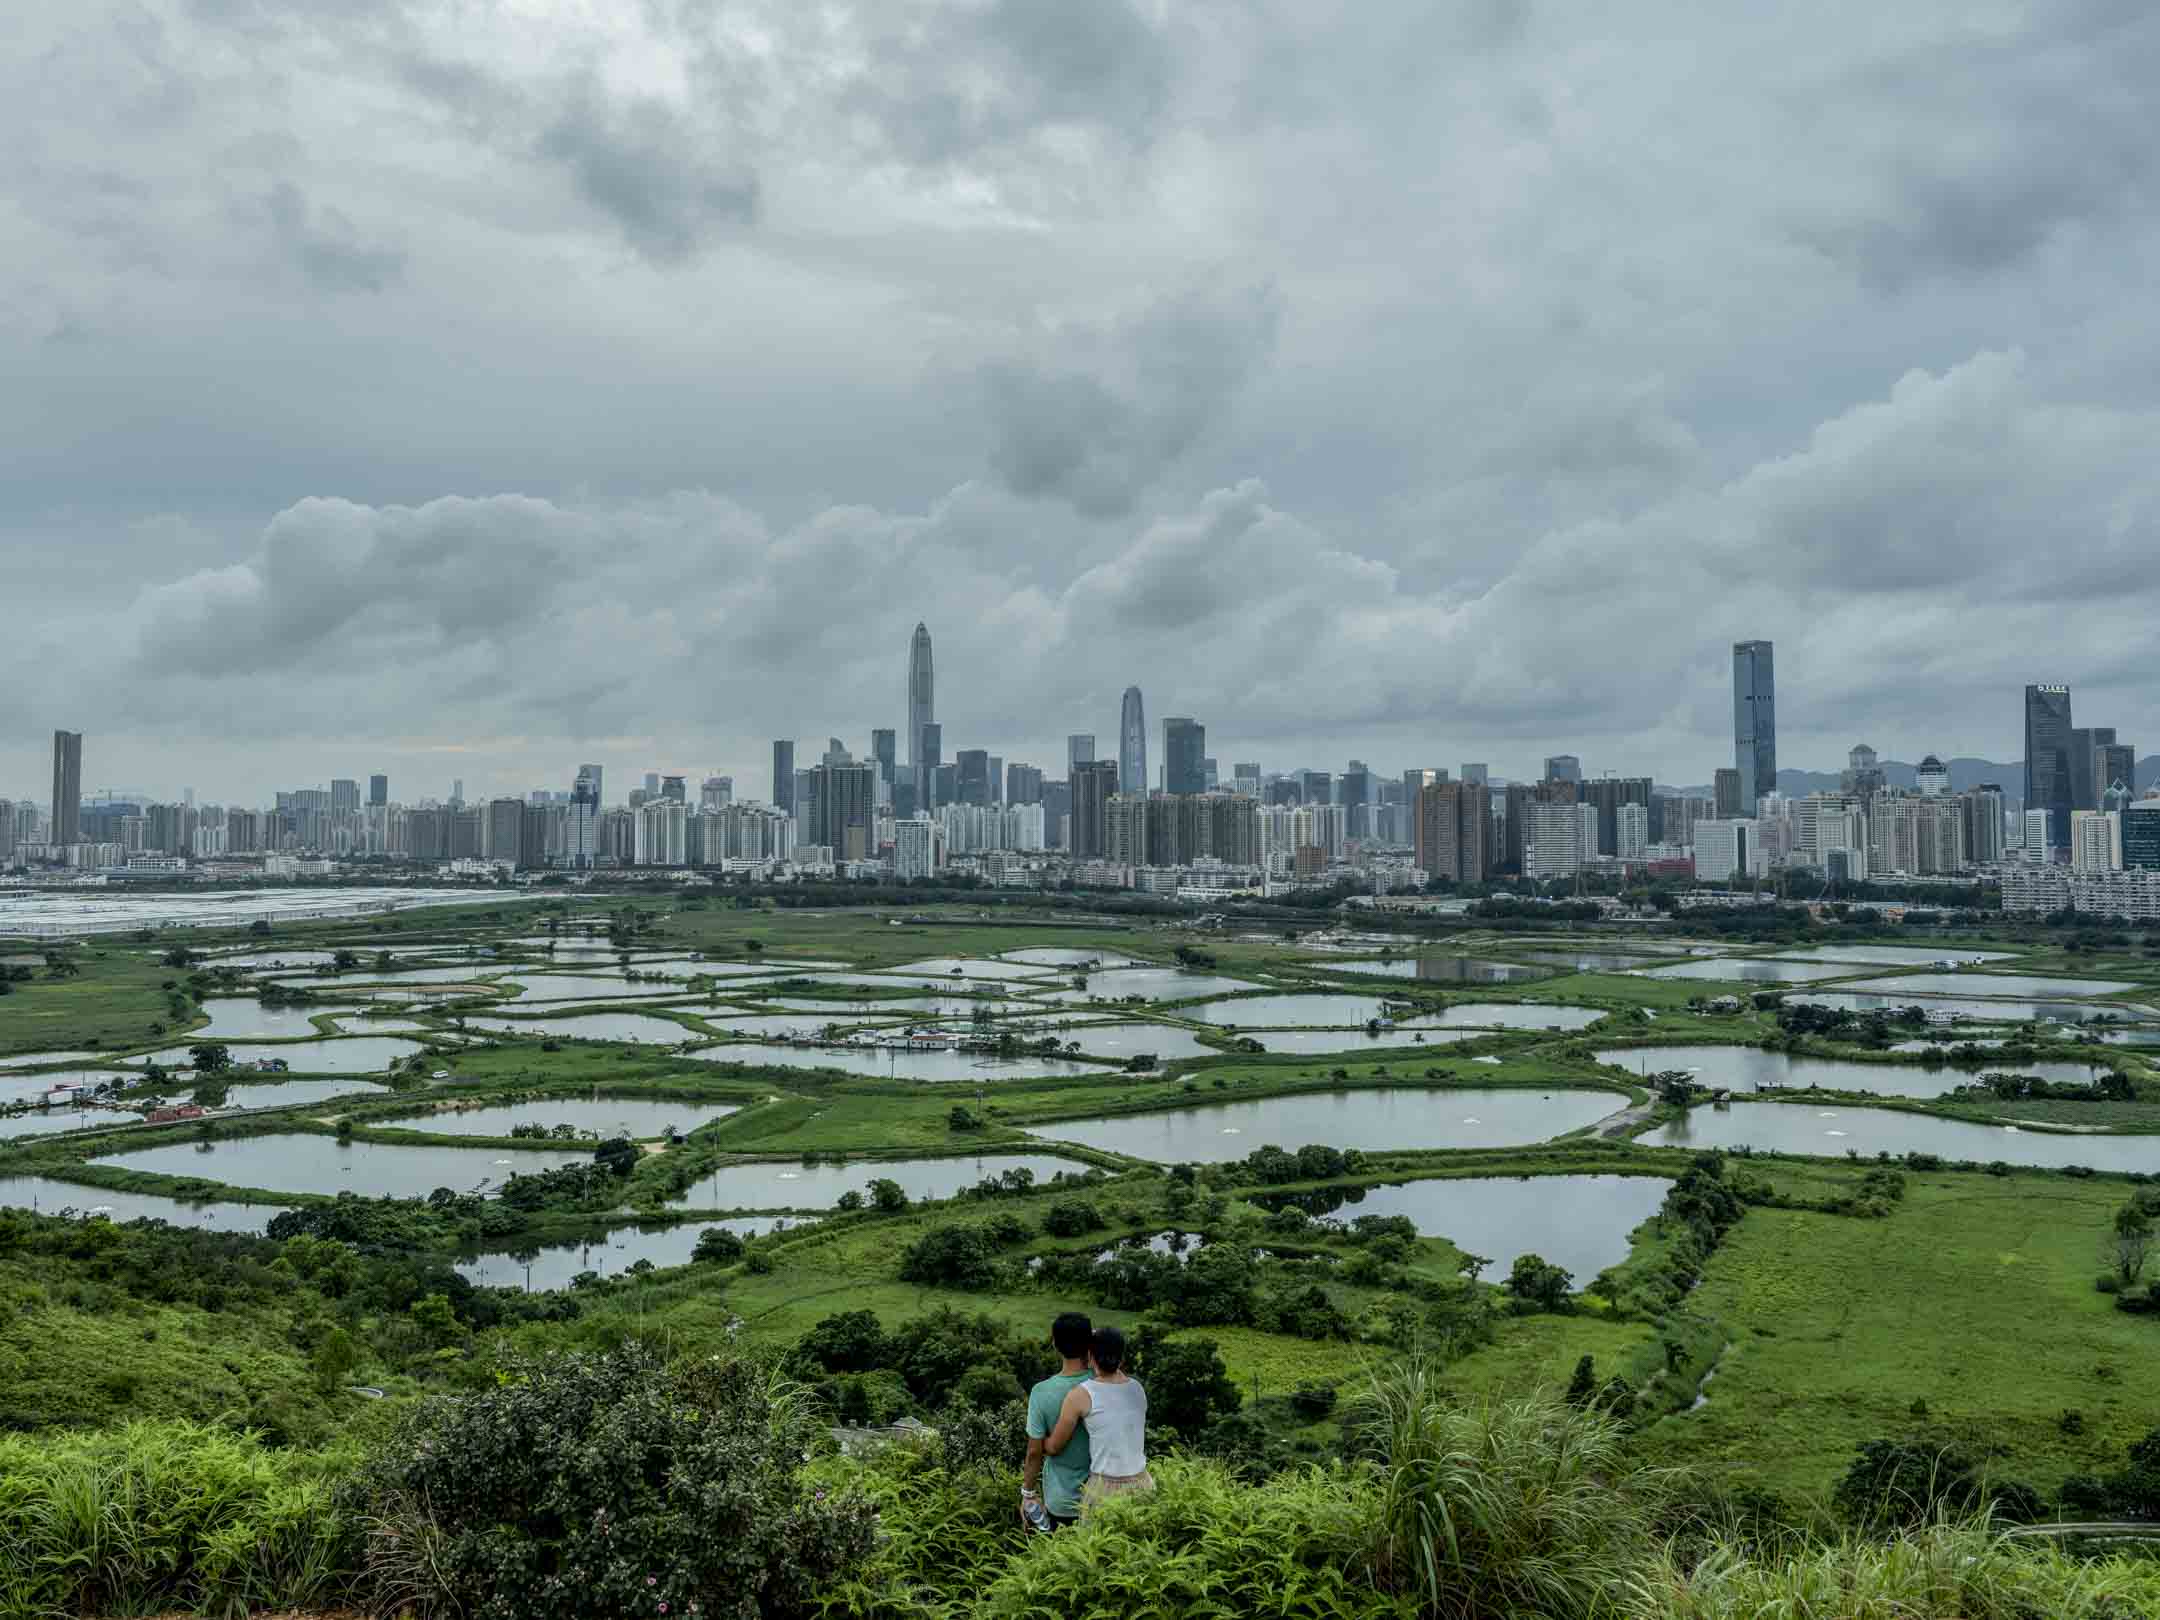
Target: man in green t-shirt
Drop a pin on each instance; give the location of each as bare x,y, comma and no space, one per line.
1050,1486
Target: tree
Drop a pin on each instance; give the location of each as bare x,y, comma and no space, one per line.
1188,1386
962,1118
2127,1246
433,1316
888,1195
211,1057
618,1156
344,960
851,1341
851,1200
1582,1388
334,1359
1537,1284
950,1257
716,1245
1070,1217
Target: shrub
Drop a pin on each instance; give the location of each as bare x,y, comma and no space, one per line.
717,1245
950,1257
1070,1217
154,1516
1201,1544
604,1485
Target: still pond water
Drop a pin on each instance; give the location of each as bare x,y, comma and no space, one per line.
640,1118
1749,1068
50,1197
300,1163
1833,1131
1580,1223
611,1256
803,1186
1374,1120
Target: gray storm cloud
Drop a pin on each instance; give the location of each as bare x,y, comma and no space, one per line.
1402,381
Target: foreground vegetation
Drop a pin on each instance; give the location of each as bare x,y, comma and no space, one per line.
1806,1385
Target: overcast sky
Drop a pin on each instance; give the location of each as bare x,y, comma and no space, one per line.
467,390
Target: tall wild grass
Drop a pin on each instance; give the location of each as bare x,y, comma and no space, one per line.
164,1515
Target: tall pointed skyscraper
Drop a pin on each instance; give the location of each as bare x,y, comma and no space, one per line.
921,695
1132,745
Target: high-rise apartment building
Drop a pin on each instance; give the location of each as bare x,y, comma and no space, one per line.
1552,838
1982,808
344,796
1475,771
1453,831
1931,778
973,765
378,791
1608,794
1563,768
66,788
921,700
1725,850
1132,742
502,831
1184,755
1245,778
2096,842
845,800
1094,784
675,788
1631,826
1754,698
1023,784
783,776
915,848
2049,782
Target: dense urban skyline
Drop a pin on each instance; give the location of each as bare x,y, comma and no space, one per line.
621,385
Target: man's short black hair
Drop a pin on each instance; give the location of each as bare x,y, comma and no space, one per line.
1109,1349
1072,1333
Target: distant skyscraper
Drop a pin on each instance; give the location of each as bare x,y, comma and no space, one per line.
1725,793
378,790
1563,768
1079,750
457,790
652,784
1754,699
921,696
1132,745
1475,773
1932,778
929,759
591,773
1094,784
675,788
2047,761
1862,777
1184,755
974,775
883,754
783,776
67,787
344,795
1245,778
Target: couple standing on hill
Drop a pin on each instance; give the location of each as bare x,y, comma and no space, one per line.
1087,1428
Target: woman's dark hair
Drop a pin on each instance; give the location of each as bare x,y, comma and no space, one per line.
1072,1333
1109,1349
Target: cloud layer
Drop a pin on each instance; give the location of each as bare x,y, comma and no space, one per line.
473,393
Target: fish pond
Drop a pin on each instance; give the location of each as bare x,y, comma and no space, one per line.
1832,1131
49,1197
1749,1068
1579,1223
819,1186
896,1064
297,1162
352,1054
640,1118
548,1270
1372,1119
1437,969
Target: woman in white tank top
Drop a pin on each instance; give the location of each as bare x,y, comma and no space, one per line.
1114,1407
